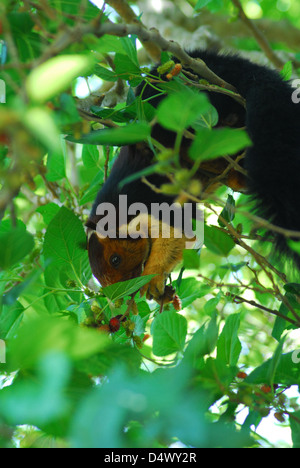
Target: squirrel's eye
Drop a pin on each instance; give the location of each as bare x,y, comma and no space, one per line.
115,260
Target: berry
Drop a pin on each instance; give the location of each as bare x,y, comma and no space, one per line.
279,417
114,324
241,375
266,389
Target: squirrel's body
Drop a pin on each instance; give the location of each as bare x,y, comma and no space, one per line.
272,165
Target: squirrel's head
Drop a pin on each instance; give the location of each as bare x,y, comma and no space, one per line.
115,260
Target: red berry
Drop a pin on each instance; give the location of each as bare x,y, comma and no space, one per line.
241,375
114,324
266,389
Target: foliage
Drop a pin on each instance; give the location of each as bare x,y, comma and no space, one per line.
69,380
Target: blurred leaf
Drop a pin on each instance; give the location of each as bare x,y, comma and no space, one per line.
41,124
41,399
15,245
67,113
56,74
85,8
49,334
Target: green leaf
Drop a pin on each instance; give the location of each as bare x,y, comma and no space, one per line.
190,289
56,167
10,317
126,69
294,245
129,46
214,372
63,246
15,245
211,144
295,428
202,3
217,241
55,75
90,194
48,211
287,71
169,331
67,113
228,213
191,259
105,74
286,370
90,156
125,288
274,362
179,110
229,346
203,342
132,133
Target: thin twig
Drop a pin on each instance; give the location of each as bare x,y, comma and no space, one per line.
258,35
266,309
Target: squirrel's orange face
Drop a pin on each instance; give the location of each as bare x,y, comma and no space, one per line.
114,260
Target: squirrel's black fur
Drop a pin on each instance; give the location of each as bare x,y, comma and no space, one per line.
272,162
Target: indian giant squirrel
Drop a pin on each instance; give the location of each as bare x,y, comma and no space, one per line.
271,164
